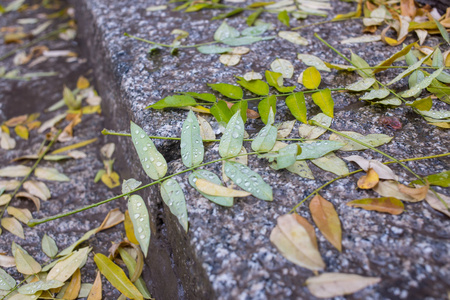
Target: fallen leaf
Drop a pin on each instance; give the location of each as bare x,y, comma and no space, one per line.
213,189
327,220
35,199
374,140
129,229
331,163
111,180
7,142
15,171
390,188
62,270
328,285
38,189
294,242
9,185
114,217
74,286
310,132
230,59
293,37
383,171
7,261
82,83
13,226
437,204
206,131
51,174
96,290
22,131
13,122
418,193
5,198
25,263
389,205
21,214
283,66
285,128
369,180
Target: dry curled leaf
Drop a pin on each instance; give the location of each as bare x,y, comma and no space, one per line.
418,193
38,189
96,290
437,204
383,171
327,220
369,180
296,242
35,199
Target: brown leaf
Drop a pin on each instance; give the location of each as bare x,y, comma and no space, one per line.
437,204
35,199
327,220
417,193
113,218
408,8
329,285
390,188
13,122
295,244
74,286
96,290
389,205
369,180
13,226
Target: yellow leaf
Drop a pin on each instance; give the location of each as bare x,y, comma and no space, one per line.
91,109
213,189
74,286
327,220
13,226
22,131
389,205
4,129
74,146
311,78
295,242
329,285
66,267
21,214
116,276
96,290
369,180
112,180
129,229
82,83
34,125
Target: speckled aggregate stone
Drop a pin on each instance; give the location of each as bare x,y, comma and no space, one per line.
227,254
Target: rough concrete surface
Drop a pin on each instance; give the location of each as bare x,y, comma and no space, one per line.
226,253
26,97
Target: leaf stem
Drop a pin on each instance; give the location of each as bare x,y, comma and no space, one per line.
41,156
35,222
360,170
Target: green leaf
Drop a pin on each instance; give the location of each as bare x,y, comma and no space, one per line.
49,246
253,16
191,144
301,168
6,281
130,185
210,176
421,85
297,106
283,17
439,179
436,114
225,32
245,40
70,100
410,69
228,90
265,105
286,156
213,49
233,137
438,61
141,221
293,37
275,80
361,63
375,94
391,101
393,58
152,161
442,30
331,163
197,7
242,106
267,136
361,85
116,276
324,101
373,140
313,61
34,287
311,78
248,180
25,263
257,87
130,263
221,112
174,101
173,197
416,77
316,149
204,96
422,104
228,14
255,30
